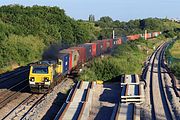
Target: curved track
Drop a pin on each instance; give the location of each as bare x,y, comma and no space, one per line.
159,102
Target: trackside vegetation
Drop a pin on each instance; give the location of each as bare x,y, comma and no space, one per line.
175,50
173,57
125,59
175,68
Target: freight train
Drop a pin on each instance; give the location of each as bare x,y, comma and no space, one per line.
44,75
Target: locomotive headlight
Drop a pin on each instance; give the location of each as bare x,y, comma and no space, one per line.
46,79
32,79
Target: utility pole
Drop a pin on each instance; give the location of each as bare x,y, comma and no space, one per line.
113,28
145,34
113,33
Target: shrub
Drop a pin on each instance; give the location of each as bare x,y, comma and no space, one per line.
20,50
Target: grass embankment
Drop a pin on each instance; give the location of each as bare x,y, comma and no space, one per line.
125,59
174,53
175,50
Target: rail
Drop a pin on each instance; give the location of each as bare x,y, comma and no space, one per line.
156,59
18,106
42,96
11,93
13,74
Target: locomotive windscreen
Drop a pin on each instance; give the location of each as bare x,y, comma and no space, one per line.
40,69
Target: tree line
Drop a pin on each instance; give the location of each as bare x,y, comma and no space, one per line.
137,26
26,32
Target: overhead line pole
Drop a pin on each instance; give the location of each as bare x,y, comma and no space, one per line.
113,28
145,34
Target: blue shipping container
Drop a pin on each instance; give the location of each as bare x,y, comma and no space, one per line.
65,62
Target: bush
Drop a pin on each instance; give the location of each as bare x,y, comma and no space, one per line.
20,50
175,67
88,75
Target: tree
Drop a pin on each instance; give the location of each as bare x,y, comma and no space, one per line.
106,19
91,18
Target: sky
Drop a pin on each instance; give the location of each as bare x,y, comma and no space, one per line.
123,10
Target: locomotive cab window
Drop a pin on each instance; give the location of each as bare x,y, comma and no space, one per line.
40,70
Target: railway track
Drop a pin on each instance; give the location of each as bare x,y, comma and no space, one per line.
21,111
160,108
30,106
11,85
13,74
13,92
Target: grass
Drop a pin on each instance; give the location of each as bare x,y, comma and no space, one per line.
9,68
175,68
171,24
175,50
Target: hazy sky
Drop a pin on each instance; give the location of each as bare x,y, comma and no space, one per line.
122,10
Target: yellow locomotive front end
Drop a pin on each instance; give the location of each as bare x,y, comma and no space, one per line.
40,77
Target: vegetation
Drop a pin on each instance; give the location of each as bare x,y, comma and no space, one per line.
29,32
175,68
175,50
137,26
173,57
125,59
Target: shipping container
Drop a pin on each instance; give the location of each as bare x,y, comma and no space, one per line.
63,60
119,41
124,39
82,54
93,46
70,57
104,43
88,48
148,35
133,37
111,43
75,57
108,44
105,47
99,47
114,42
156,34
